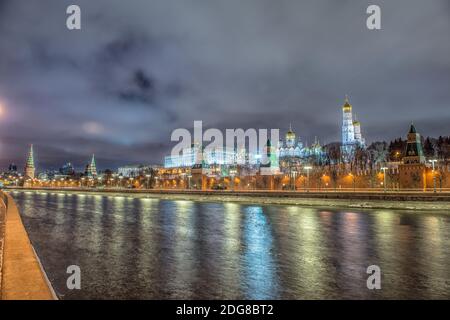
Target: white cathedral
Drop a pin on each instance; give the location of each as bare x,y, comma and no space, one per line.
291,147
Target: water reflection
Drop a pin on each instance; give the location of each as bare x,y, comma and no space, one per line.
259,265
155,249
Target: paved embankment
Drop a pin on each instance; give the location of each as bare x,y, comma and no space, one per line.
22,276
341,199
2,238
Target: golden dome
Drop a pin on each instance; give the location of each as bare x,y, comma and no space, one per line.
347,107
290,134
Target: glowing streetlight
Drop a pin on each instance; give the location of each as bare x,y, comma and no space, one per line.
307,168
148,180
384,177
351,175
294,173
233,173
433,161
189,180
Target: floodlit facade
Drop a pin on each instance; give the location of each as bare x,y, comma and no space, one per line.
29,167
351,131
216,156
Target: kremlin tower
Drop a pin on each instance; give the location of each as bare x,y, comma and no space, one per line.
414,151
29,166
412,171
91,169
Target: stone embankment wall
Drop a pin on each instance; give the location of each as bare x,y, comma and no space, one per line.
22,276
2,236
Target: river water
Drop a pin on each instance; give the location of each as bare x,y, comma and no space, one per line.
134,248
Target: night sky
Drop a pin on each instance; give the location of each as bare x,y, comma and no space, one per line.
139,69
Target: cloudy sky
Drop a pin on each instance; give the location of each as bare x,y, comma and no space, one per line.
139,69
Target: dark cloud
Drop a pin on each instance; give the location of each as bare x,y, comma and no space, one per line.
139,69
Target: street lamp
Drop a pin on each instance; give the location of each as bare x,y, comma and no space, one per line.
353,181
232,174
308,168
189,180
294,176
433,161
148,180
384,177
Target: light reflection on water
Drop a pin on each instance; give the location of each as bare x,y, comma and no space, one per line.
149,249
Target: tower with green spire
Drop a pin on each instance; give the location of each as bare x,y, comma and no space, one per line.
29,166
412,172
414,151
269,164
92,168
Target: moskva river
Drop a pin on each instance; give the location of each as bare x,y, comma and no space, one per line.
134,248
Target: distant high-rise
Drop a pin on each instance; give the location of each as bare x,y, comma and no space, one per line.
29,166
67,169
12,168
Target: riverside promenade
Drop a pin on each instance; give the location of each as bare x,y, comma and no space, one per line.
21,274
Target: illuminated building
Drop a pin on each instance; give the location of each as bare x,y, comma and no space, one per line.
91,169
269,165
29,166
67,169
412,172
351,131
132,171
414,151
211,157
12,168
293,151
358,136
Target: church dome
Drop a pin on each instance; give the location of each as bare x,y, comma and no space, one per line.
290,135
347,107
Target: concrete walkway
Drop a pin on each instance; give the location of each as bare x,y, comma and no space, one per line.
22,275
